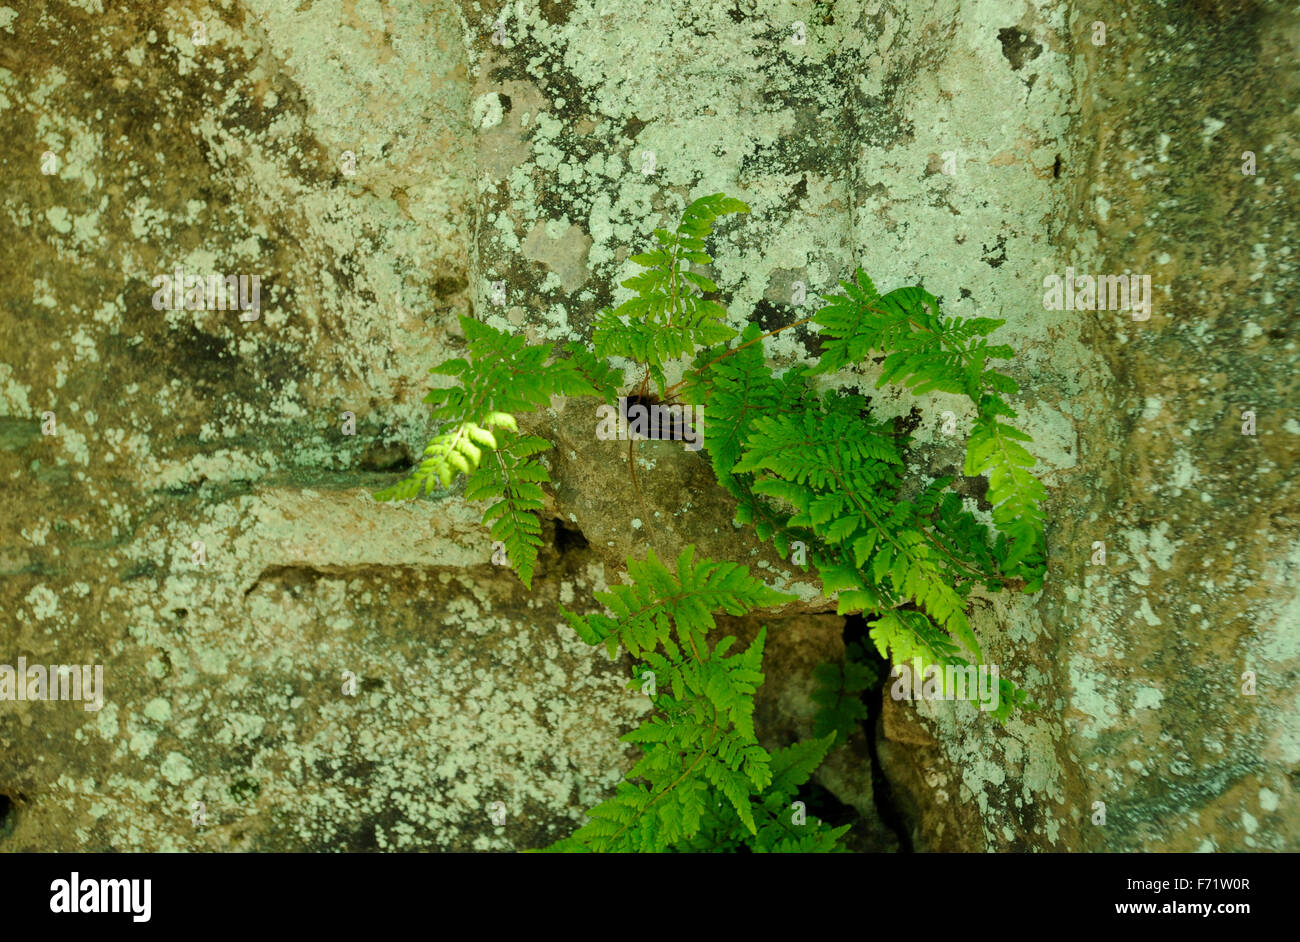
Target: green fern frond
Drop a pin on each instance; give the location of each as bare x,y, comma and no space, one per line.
737,388
669,317
590,375
927,352
1016,495
512,480
656,604
903,635
702,770
694,750
839,475
777,827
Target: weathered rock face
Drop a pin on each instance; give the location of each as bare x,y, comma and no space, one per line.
1167,670
1198,516
200,524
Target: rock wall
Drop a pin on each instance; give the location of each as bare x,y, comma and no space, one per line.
200,523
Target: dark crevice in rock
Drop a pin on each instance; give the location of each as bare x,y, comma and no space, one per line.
1017,47
822,804
386,458
568,538
294,577
7,815
660,420
891,815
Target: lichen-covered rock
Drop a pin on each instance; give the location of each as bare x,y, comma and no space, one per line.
1163,650
198,521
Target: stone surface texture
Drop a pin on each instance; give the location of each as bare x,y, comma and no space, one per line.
200,524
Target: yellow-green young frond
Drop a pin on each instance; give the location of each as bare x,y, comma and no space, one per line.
501,376
449,454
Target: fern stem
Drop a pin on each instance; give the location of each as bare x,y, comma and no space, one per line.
673,388
736,350
936,542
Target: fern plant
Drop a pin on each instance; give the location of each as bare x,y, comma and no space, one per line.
669,317
502,376
703,780
810,470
